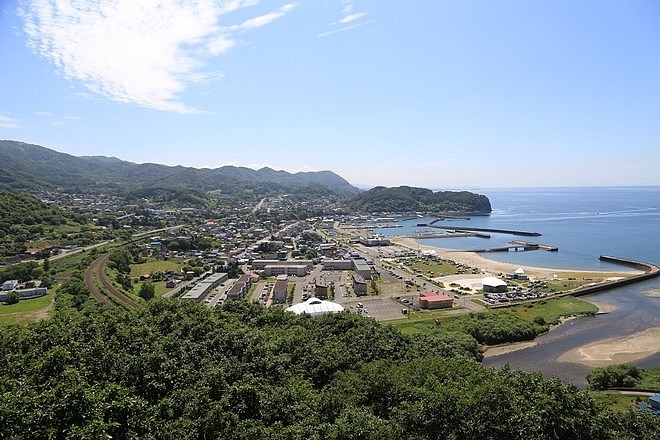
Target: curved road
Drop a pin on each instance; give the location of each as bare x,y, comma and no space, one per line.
98,268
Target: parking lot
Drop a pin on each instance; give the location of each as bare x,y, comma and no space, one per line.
379,307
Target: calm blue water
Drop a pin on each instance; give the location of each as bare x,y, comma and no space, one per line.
584,223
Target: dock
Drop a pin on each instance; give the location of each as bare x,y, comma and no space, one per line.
530,245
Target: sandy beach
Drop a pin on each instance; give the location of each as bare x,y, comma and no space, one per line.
490,266
622,349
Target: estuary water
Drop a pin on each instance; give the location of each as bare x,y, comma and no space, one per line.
584,223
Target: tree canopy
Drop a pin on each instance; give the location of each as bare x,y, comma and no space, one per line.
178,370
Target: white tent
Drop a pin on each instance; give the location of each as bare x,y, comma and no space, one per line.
492,284
315,307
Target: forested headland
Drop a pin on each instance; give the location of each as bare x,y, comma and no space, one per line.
411,199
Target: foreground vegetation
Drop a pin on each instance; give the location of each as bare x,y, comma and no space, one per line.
624,376
176,370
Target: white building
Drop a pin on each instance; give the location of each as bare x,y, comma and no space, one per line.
9,285
493,285
315,307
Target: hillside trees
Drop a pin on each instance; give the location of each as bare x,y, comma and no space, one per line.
179,370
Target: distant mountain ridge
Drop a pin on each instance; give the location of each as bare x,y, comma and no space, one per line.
32,167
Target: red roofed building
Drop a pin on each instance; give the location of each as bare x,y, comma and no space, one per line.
34,251
432,300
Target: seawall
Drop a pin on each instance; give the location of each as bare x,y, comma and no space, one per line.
650,271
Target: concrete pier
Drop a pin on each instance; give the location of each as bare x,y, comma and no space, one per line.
501,231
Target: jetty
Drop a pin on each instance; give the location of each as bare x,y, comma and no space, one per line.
516,246
433,224
650,271
449,234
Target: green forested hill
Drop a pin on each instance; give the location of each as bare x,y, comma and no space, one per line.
176,370
410,199
32,167
22,218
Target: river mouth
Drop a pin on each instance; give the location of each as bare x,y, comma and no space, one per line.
630,332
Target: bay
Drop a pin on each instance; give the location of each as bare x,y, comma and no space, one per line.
584,223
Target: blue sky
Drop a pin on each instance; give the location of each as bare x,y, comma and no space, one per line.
433,93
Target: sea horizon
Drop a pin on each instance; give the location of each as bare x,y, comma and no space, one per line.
582,222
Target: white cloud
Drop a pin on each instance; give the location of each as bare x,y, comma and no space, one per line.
7,122
144,52
342,29
348,17
265,19
352,17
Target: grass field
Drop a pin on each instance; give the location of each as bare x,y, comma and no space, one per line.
27,310
551,310
617,401
154,266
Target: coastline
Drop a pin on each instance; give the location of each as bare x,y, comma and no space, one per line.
620,349
492,266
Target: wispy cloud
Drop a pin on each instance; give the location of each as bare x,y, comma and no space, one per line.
144,52
348,16
352,17
7,122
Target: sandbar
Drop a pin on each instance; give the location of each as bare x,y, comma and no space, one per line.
496,350
654,293
616,350
603,308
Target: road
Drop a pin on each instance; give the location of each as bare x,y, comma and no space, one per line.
258,206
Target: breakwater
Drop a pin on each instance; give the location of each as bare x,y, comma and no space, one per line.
650,271
516,246
494,230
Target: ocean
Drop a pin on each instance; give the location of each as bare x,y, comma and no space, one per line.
584,223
